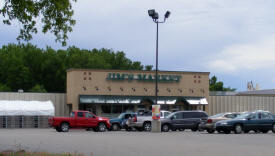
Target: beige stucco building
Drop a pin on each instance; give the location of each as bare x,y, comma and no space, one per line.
110,92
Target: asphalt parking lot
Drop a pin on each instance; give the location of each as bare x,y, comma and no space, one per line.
124,143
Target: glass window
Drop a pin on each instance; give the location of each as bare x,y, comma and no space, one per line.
202,114
178,116
128,108
148,113
231,116
217,115
117,109
190,115
266,115
166,114
253,116
127,116
106,108
72,114
164,107
80,114
88,115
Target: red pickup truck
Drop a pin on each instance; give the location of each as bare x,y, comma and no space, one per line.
80,119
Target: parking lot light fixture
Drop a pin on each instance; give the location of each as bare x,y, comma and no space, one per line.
154,15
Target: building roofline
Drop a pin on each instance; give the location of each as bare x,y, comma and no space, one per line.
142,71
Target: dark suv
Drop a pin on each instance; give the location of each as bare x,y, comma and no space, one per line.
183,120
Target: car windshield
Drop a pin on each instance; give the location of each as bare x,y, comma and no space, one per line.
217,115
243,116
170,115
121,116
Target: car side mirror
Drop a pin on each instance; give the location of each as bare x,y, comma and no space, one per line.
172,118
248,118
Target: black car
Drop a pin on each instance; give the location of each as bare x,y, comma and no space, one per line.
258,121
183,120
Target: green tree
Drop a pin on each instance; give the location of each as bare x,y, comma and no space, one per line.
215,85
55,15
38,89
4,88
148,67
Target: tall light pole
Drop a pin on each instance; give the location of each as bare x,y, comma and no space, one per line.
152,13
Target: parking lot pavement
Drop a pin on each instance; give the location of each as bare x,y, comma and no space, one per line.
124,143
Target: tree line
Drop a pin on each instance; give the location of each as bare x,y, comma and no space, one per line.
27,67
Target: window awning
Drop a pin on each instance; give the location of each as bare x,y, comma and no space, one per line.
197,101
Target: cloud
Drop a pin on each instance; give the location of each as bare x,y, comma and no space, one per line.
258,55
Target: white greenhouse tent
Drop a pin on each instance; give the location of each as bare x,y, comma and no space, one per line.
26,108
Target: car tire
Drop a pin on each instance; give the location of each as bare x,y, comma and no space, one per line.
238,129
147,126
115,127
165,128
246,131
64,127
273,128
101,127
210,131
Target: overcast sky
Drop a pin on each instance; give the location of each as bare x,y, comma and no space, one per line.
232,39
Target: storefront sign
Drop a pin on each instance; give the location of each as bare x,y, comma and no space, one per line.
143,77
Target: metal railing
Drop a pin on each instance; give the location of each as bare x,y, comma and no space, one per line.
24,121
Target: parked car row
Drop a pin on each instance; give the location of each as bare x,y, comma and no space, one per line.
209,124
258,121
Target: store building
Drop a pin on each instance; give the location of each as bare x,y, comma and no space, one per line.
111,92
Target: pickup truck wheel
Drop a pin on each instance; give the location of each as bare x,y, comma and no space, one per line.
115,127
147,126
101,127
65,127
165,128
